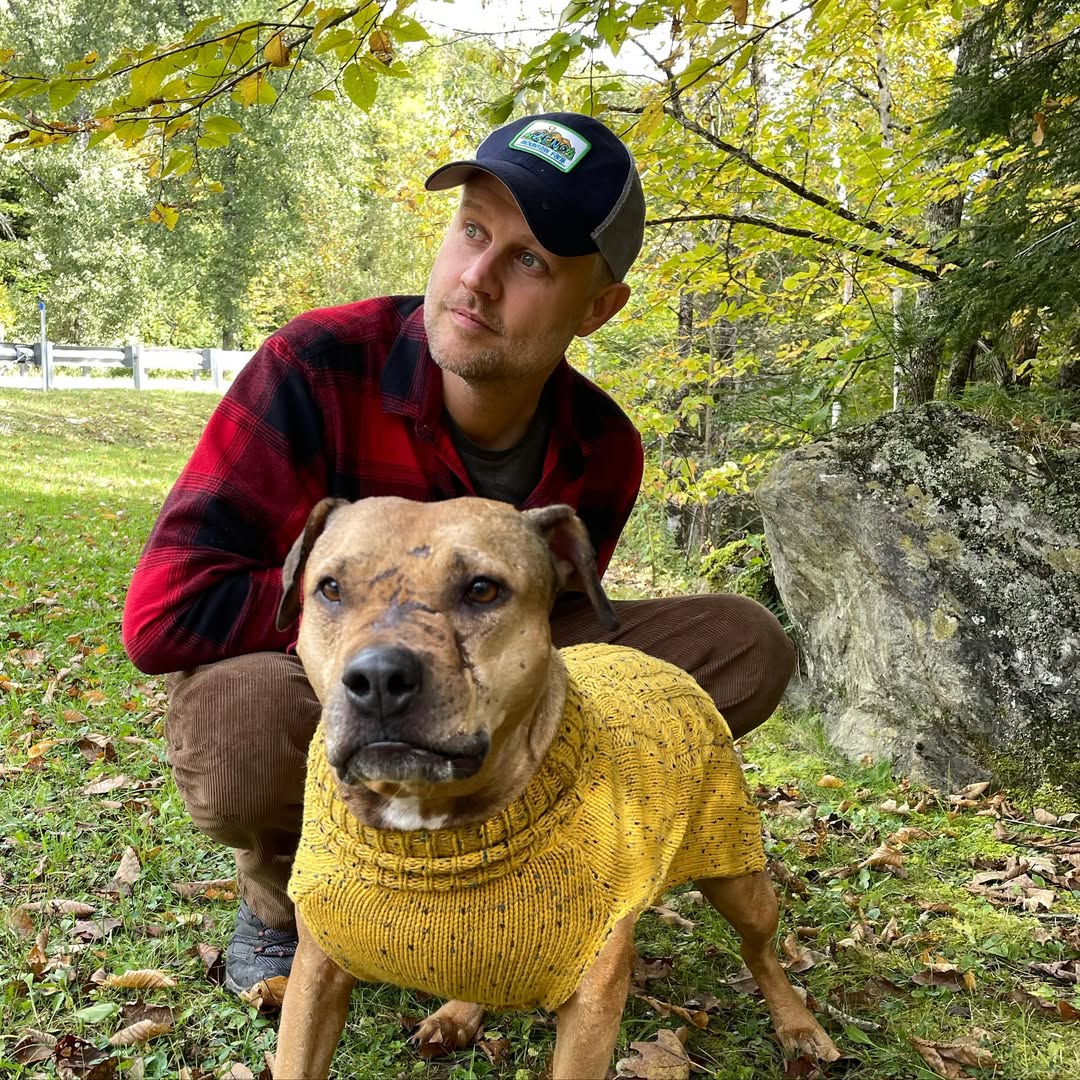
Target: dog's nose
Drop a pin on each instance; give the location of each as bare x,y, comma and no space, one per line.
382,681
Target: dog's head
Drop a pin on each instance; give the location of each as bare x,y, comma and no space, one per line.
425,627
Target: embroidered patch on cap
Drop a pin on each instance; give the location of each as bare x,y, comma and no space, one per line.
553,142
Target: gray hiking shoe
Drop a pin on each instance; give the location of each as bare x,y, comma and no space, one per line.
256,952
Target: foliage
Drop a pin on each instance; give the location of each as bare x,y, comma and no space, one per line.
1020,105
743,566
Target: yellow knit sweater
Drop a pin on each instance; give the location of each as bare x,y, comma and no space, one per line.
639,792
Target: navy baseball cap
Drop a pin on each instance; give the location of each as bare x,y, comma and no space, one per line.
573,179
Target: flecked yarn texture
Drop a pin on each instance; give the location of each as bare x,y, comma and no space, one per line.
640,791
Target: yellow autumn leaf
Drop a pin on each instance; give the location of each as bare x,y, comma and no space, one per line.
141,979
382,48
740,9
169,215
969,980
1040,129
248,88
277,52
90,58
830,781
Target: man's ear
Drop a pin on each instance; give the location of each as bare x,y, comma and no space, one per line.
292,573
608,302
572,556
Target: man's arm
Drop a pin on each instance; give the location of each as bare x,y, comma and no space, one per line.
208,582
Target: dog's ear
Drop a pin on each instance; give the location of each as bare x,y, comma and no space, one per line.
573,556
292,573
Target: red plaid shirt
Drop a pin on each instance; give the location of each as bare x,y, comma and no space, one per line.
342,401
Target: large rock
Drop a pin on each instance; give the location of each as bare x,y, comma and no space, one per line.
931,566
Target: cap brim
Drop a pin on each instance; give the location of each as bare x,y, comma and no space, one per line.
532,195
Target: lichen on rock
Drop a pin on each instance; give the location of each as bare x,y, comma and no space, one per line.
928,563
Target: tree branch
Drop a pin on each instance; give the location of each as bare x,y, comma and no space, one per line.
906,265
793,186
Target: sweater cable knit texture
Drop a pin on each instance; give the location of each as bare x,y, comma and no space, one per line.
639,792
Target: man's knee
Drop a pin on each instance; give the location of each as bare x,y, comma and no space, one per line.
237,734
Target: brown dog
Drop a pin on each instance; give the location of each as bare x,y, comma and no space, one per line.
466,832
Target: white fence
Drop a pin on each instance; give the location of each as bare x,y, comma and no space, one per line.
77,367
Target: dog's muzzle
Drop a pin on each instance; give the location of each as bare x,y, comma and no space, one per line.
382,730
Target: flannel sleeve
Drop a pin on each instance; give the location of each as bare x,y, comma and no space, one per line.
208,583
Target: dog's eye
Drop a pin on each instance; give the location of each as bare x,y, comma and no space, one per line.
328,589
482,591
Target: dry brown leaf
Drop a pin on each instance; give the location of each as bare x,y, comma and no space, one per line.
36,959
60,907
890,806
141,979
89,930
947,976
786,879
76,1059
268,994
103,787
1044,817
743,982
884,856
190,890
648,968
236,1070
1038,136
670,917
948,1059
139,1032
663,1059
20,921
906,835
830,781
127,873
698,1017
740,9
495,1050
92,747
33,1046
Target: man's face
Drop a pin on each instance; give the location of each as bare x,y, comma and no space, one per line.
498,304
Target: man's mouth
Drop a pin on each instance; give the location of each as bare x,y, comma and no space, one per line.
470,320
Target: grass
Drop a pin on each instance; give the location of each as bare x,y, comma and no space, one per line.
81,478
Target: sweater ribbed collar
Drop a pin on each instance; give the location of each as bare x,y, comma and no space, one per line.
442,859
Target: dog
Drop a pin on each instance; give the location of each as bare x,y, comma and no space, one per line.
485,816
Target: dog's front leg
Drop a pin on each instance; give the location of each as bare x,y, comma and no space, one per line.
589,1020
313,1012
749,904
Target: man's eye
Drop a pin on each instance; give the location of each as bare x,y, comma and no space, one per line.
329,590
530,260
482,591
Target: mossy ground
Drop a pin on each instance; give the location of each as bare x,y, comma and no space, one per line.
81,479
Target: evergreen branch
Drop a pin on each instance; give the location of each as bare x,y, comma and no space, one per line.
926,273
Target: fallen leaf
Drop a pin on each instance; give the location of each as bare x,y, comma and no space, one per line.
884,857
19,920
698,1017
33,1046
191,890
141,979
743,982
103,787
663,1059
36,959
948,1059
947,976
60,907
648,969
139,1032
1066,971
495,1050
830,781
267,995
89,930
76,1059
94,747
670,917
1061,1010
126,874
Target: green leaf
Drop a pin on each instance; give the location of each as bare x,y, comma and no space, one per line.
212,140
94,1014
224,125
360,86
62,92
405,28
324,95
179,162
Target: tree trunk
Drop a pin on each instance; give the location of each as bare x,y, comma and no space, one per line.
962,369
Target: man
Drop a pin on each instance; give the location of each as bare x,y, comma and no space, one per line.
466,391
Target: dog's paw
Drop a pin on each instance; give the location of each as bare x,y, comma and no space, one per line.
807,1039
453,1027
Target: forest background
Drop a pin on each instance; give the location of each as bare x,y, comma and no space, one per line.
850,206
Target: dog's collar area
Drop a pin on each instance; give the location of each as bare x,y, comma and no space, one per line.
436,859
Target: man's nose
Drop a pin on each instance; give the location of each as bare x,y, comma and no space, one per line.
481,275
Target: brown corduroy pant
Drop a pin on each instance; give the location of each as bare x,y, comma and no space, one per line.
238,730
